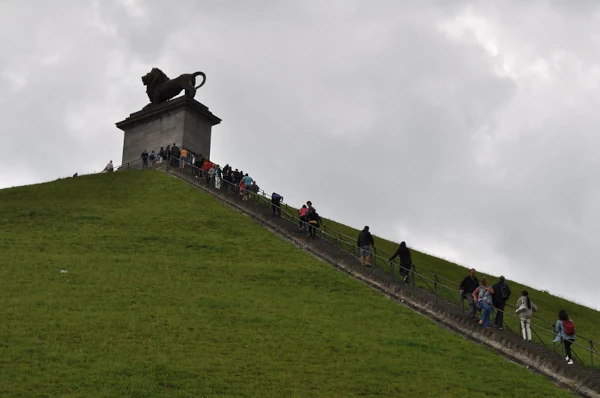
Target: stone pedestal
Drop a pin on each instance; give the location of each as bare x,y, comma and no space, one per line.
183,121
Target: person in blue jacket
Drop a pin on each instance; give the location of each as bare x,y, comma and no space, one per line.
567,337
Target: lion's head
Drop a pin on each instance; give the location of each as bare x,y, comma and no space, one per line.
155,76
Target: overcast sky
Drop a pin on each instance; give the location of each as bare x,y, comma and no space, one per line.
466,128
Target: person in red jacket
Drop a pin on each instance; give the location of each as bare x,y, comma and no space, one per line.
302,216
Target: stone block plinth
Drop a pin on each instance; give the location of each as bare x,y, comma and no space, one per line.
183,121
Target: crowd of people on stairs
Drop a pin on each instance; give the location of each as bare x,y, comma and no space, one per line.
490,299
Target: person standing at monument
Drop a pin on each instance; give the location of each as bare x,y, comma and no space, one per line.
218,176
174,156
144,158
183,157
109,167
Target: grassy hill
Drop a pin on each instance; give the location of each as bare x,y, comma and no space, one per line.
167,292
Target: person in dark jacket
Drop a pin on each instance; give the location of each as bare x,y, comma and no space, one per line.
365,242
175,156
198,163
500,297
467,287
314,221
405,260
276,204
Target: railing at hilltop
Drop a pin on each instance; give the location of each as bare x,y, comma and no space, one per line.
443,289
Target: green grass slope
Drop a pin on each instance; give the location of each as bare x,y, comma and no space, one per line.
169,293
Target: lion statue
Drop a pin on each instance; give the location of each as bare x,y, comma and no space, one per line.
161,89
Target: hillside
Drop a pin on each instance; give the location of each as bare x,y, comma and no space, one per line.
167,292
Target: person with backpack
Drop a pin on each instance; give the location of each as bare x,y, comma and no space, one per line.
501,296
405,261
483,296
276,204
525,309
314,221
153,158
565,328
364,242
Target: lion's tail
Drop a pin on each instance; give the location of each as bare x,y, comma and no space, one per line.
203,78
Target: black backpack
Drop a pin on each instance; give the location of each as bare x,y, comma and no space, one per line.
504,292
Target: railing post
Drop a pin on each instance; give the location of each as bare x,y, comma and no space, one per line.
592,353
436,291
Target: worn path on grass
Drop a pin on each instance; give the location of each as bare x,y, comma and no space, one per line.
584,380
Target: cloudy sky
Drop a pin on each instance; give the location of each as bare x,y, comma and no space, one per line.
466,128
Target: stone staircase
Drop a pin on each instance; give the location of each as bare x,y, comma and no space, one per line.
582,380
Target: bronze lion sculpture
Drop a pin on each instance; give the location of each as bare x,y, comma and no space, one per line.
161,89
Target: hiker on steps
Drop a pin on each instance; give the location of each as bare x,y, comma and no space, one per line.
314,221
405,261
247,184
302,216
501,296
483,295
566,332
309,208
276,204
467,287
364,243
218,176
525,309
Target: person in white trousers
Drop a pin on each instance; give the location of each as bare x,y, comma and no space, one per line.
218,176
525,309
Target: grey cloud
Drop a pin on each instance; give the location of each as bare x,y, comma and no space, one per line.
464,128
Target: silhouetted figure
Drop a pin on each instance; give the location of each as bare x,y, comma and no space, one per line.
405,260
501,296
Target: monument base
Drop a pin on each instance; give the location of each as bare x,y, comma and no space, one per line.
183,121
